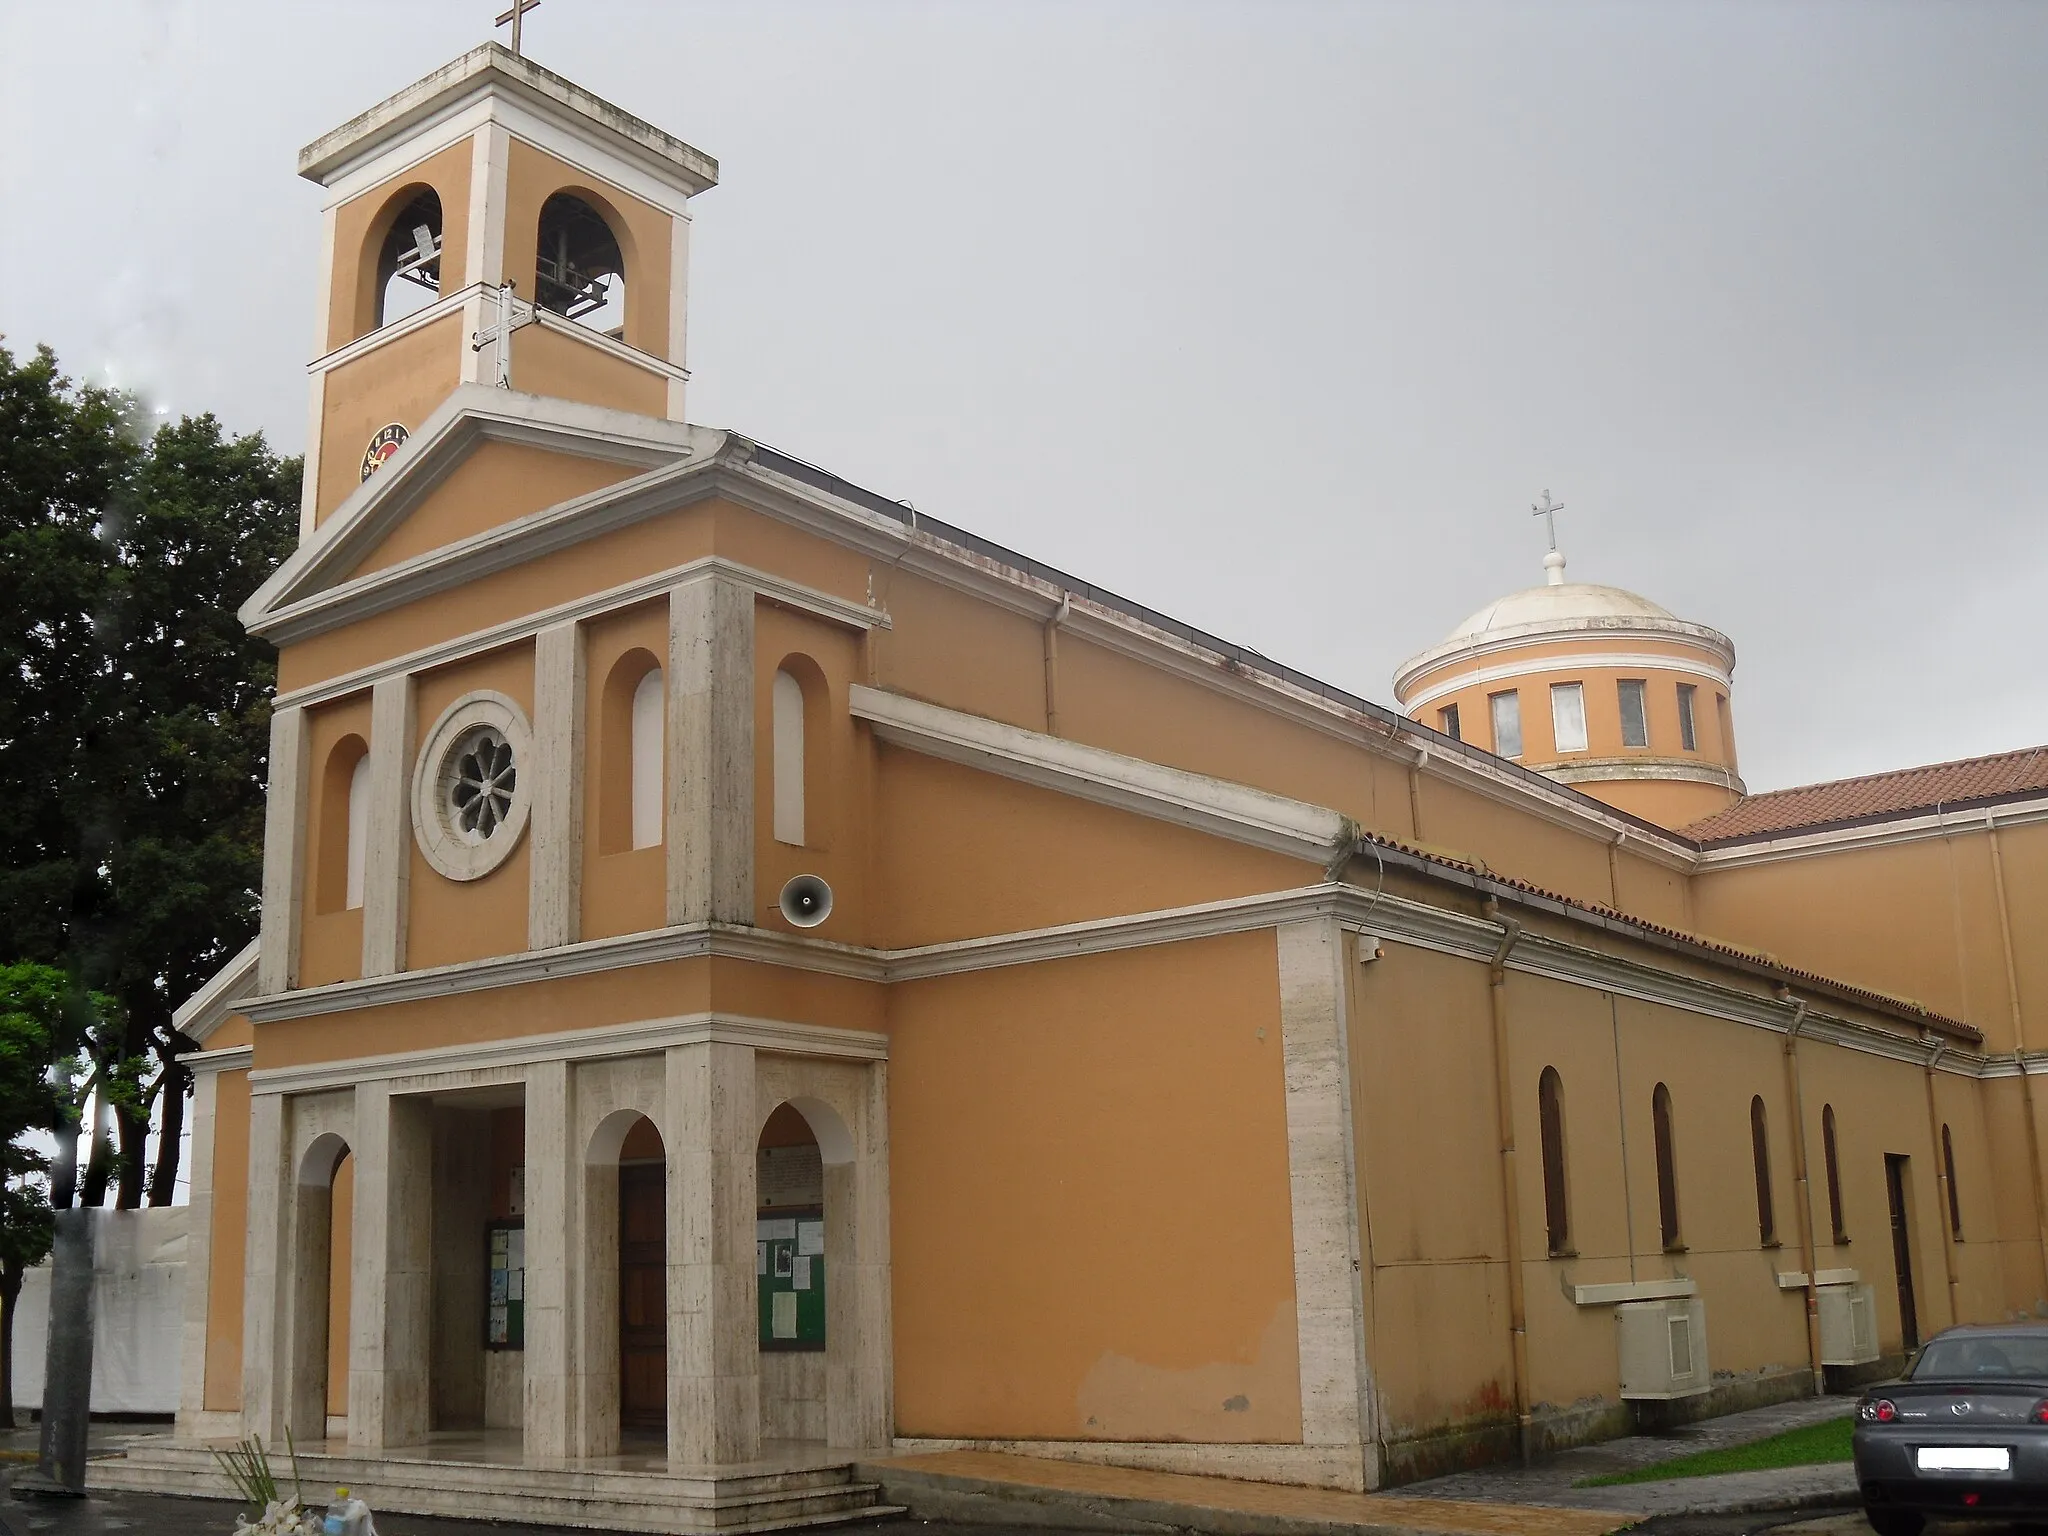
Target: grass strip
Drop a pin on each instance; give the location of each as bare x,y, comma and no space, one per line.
1810,1445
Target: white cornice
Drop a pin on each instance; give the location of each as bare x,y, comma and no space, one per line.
1648,767
201,1013
640,1038
229,1058
1517,637
774,589
1216,806
1603,661
1908,828
370,341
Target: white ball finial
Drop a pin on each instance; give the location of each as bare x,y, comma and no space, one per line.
1553,568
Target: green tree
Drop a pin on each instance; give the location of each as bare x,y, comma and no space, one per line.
132,750
45,1025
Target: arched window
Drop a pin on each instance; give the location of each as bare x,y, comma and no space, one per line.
788,713
649,718
1760,1154
1557,1216
409,261
1834,1172
1667,1167
581,272
344,827
1948,1166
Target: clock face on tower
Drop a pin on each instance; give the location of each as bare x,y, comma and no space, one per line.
387,442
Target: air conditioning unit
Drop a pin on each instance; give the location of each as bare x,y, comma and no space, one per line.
1848,1324
1663,1347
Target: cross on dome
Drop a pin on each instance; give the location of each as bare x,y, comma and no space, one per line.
1553,563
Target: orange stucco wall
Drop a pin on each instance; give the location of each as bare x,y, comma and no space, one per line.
331,934
645,235
228,1247
361,224
1089,1200
402,381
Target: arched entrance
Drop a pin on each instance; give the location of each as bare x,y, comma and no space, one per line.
789,1271
319,1305
627,1214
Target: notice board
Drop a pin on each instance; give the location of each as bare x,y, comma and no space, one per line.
505,1272
789,1266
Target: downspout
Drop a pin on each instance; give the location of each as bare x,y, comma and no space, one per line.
1052,663
1510,1180
1803,1183
1948,1231
1415,792
2019,1047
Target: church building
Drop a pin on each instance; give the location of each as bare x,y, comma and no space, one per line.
754,978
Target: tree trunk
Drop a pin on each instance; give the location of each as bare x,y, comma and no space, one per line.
99,1157
64,1168
134,1147
11,1273
163,1179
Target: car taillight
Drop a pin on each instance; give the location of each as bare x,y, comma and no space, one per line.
1884,1410
2040,1413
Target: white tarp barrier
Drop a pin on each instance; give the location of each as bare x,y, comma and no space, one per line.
138,1298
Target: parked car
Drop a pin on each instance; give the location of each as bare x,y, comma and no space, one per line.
1964,1433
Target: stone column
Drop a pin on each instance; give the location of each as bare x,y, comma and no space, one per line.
710,754
387,845
266,1273
284,851
551,1428
859,1406
198,1251
714,1383
556,826
1328,1294
391,1301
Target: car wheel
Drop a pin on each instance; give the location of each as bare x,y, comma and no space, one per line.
1895,1522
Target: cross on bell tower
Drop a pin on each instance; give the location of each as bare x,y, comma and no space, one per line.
514,17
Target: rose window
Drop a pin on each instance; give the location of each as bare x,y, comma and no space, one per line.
472,785
482,777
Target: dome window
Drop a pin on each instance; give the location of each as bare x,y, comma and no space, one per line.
1568,716
1447,722
1688,733
1507,722
1635,719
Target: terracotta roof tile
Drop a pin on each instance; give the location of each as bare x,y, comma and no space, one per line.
1876,796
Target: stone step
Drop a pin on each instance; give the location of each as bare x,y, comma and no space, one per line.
675,1504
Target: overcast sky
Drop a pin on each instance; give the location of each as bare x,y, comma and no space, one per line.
1273,316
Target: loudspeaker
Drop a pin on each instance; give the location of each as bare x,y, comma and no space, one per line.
806,901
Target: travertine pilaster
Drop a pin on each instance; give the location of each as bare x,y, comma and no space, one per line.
284,851
556,827
550,1257
391,1300
387,845
198,1252
1321,1178
266,1272
710,755
714,1396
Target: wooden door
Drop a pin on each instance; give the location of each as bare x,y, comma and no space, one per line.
1902,1249
643,1297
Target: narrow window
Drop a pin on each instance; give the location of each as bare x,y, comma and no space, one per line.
789,759
1955,1205
358,829
648,720
1568,716
1727,727
1688,733
1447,722
1834,1172
1557,1216
1507,723
1667,1167
1635,722
1760,1154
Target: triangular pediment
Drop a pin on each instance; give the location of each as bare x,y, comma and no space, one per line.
486,460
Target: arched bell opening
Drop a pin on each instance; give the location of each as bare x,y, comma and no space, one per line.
409,260
626,1233
581,267
803,1159
322,1204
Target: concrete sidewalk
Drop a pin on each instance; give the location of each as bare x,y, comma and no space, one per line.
987,1487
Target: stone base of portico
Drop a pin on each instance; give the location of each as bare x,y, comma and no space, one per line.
486,1474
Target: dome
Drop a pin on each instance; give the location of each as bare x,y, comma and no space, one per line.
1565,603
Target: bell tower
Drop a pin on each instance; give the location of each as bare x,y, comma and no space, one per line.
492,223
